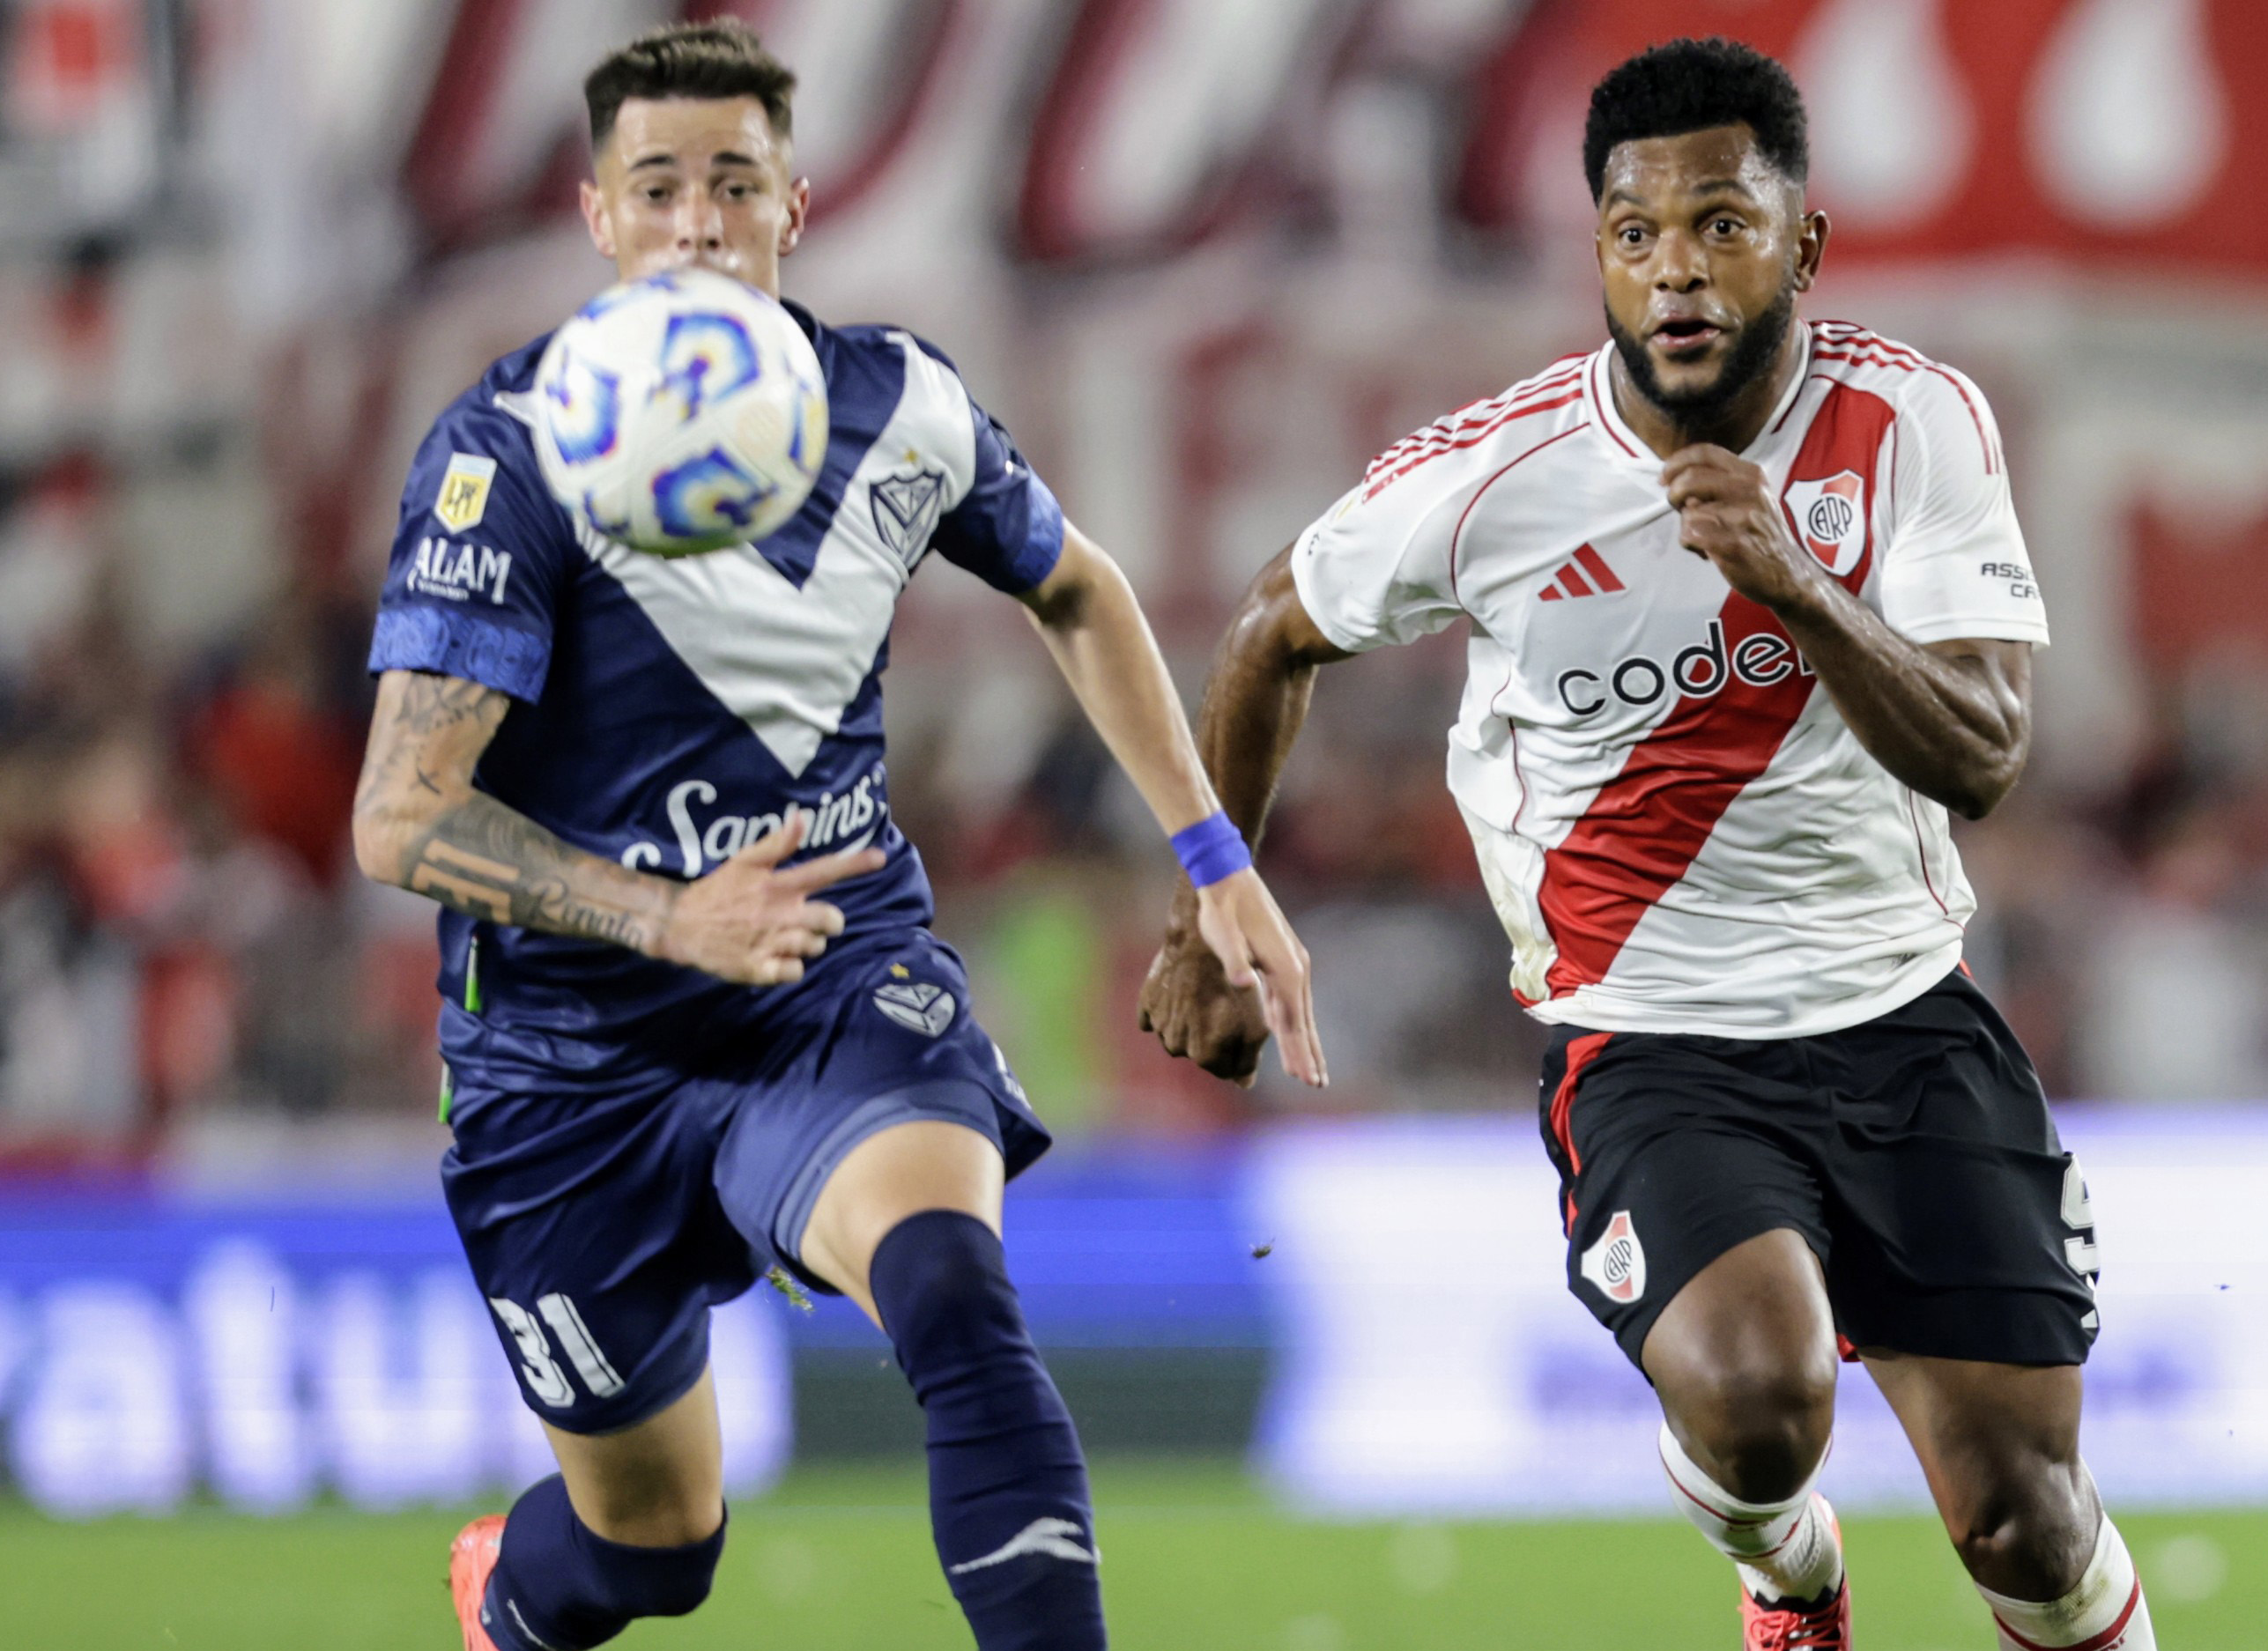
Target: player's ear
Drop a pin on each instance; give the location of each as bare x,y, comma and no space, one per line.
799,206
595,219
1811,248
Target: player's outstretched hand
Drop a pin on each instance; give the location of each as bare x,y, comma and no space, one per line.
752,923
1231,974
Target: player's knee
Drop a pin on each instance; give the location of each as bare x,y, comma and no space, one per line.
2027,1533
1771,1460
1766,1429
940,1281
675,1522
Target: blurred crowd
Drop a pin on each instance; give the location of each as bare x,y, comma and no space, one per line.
239,269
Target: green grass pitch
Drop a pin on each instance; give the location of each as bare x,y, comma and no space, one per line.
837,1559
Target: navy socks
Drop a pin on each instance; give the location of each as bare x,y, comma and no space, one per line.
559,1586
1008,1496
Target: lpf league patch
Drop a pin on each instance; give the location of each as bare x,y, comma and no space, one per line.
917,1005
1616,1262
464,490
1831,518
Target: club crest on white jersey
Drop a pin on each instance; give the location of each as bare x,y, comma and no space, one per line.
1830,516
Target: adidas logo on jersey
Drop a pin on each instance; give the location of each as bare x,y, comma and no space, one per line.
1585,575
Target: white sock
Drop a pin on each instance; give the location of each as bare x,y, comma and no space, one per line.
1785,1550
2105,1612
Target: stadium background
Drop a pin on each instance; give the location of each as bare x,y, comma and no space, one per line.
1204,259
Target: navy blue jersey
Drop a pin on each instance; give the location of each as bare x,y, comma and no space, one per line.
672,711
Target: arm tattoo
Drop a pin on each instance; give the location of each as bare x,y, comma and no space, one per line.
429,705
489,861
473,854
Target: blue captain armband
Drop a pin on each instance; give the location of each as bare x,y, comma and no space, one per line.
1212,849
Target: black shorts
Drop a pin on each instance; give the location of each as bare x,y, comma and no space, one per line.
1914,1152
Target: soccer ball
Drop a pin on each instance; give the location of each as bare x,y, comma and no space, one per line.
681,413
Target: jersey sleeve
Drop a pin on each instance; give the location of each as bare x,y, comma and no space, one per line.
1956,564
1374,569
476,567
1007,528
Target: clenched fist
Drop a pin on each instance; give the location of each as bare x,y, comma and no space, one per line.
1727,512
1230,975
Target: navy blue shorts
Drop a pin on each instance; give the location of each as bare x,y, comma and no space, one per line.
604,1220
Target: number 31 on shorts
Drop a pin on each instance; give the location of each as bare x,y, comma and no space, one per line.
545,1380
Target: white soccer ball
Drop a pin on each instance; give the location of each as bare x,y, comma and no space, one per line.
681,413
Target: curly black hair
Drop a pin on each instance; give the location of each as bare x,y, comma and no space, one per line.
1688,85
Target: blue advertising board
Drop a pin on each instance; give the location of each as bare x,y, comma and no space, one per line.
1404,1280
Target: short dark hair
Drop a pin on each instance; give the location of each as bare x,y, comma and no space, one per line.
1689,86
720,59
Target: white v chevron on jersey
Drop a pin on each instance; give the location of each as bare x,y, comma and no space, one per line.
788,660
667,714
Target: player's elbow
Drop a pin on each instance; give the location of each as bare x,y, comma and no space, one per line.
1971,805
1986,783
383,832
1272,629
1084,583
377,848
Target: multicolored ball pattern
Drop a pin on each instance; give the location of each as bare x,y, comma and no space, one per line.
681,413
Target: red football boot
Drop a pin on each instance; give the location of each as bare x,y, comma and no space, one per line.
1783,1626
472,1557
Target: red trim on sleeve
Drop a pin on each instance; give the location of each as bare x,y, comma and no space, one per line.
1472,439
1841,340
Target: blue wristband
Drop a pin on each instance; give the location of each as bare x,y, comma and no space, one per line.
1212,849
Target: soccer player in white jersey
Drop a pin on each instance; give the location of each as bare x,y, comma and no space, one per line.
1750,612
673,1067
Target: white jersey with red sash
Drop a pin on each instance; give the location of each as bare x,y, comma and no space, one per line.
1675,824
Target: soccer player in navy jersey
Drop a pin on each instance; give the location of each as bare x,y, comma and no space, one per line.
672,1065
